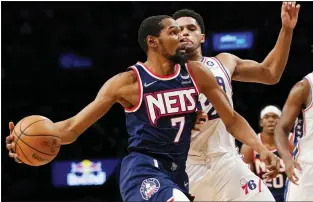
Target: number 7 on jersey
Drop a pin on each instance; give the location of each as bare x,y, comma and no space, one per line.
181,122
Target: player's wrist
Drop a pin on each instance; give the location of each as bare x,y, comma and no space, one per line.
286,30
286,156
260,148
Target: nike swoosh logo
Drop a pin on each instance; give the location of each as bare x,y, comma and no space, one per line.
149,84
185,77
186,184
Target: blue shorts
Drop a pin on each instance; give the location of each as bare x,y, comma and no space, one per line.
143,178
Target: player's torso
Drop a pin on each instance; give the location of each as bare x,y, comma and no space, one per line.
304,130
162,121
213,138
276,185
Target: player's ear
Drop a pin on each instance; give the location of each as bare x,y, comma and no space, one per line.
152,42
202,38
261,123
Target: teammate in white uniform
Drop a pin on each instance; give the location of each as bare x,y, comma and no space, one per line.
300,168
216,171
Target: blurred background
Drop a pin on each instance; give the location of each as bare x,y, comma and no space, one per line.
57,55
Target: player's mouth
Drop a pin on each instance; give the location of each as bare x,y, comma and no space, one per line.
185,43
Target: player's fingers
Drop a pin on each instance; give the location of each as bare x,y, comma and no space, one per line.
296,10
270,174
13,155
289,5
11,126
17,160
297,166
277,163
10,146
8,139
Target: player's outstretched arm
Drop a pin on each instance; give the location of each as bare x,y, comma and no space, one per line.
235,124
296,100
271,69
110,93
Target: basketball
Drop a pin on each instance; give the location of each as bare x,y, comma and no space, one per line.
36,142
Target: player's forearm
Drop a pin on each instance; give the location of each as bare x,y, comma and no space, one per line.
282,142
276,60
243,132
66,132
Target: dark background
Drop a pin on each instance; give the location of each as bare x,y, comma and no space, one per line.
36,34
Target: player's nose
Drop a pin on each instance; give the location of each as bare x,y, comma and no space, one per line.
185,32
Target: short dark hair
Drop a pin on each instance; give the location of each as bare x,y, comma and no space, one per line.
150,26
192,14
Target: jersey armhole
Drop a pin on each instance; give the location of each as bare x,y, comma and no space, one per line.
140,91
224,70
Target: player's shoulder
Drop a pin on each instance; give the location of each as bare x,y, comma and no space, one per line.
301,86
226,56
127,77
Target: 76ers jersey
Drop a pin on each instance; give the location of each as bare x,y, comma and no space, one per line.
161,122
213,138
275,185
304,142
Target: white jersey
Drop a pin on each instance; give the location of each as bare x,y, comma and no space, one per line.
213,139
304,149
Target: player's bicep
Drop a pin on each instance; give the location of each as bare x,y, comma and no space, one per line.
292,107
106,97
247,70
208,86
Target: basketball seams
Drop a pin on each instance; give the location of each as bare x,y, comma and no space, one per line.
37,150
22,152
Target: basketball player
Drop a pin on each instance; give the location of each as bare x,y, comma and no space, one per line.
159,97
299,168
215,171
269,118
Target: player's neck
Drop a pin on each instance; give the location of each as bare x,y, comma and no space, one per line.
159,65
267,138
196,55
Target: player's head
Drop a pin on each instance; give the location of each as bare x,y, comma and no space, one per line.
193,29
160,34
269,117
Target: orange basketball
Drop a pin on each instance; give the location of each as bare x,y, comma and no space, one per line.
36,142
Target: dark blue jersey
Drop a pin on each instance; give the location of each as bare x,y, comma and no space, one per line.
161,122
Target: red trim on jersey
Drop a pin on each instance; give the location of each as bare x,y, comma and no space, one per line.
171,199
192,77
223,70
140,90
260,185
161,77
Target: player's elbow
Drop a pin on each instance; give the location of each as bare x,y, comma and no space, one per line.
270,77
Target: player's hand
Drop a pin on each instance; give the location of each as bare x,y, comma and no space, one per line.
291,165
270,159
289,14
10,144
271,173
202,117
